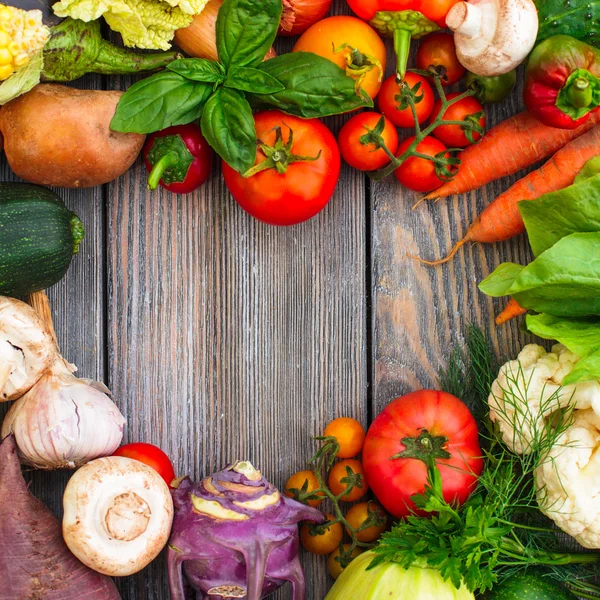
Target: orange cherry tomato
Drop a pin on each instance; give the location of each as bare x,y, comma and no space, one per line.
333,566
339,472
325,543
359,513
453,135
298,480
438,49
348,432
390,104
418,174
348,41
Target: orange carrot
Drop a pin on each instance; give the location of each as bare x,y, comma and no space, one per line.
512,310
514,144
502,220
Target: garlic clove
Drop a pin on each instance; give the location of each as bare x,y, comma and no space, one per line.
27,348
63,422
118,514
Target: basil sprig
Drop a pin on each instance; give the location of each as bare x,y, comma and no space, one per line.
222,94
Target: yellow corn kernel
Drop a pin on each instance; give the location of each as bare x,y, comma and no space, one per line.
13,48
6,14
6,57
5,72
20,60
4,39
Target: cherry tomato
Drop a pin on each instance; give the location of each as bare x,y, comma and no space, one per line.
364,47
416,173
359,513
310,175
324,543
334,567
339,472
399,114
431,419
434,10
438,49
366,157
453,135
350,435
150,455
297,482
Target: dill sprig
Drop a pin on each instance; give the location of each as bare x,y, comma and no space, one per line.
499,529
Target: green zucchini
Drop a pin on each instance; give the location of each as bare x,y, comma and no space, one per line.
38,237
530,586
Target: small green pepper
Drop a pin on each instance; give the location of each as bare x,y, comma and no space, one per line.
492,89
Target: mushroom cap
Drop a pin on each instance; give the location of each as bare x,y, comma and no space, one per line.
493,37
27,348
118,514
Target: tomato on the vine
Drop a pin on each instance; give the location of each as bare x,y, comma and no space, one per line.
414,431
355,147
324,543
351,44
397,110
454,136
296,171
340,472
150,455
359,513
297,482
333,565
438,49
416,173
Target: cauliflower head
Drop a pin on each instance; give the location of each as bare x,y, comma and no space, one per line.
568,480
528,391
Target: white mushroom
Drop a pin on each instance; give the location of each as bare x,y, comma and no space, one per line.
118,514
27,348
492,37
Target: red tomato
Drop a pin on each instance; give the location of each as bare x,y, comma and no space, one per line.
453,135
390,103
434,10
419,174
310,176
438,49
366,157
444,421
150,455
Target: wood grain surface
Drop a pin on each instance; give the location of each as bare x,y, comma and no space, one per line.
223,338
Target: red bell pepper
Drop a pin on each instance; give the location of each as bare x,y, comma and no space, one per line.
179,158
403,20
562,82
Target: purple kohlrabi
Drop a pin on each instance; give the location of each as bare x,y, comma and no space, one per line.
235,536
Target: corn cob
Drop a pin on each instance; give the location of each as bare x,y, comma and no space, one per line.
22,36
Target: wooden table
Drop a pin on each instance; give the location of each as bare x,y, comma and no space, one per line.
223,338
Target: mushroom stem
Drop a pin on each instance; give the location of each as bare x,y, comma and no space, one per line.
466,19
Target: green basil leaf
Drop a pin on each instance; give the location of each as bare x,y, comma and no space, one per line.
198,69
160,101
246,29
499,282
556,215
564,280
314,87
252,80
228,126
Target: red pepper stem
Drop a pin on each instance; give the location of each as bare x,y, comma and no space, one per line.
580,93
402,39
168,160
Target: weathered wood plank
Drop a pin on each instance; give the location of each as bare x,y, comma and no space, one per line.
77,306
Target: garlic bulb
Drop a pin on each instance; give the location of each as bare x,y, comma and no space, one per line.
27,348
63,422
118,515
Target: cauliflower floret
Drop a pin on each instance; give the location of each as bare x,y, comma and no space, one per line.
528,390
568,481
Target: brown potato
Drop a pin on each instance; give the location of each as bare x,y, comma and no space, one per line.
57,135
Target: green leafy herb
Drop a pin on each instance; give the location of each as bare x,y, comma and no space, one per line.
306,85
499,529
577,18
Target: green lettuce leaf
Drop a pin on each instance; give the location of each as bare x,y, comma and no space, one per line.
24,80
501,280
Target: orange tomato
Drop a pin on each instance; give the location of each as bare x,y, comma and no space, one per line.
297,481
348,432
364,48
359,513
324,543
339,472
334,567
